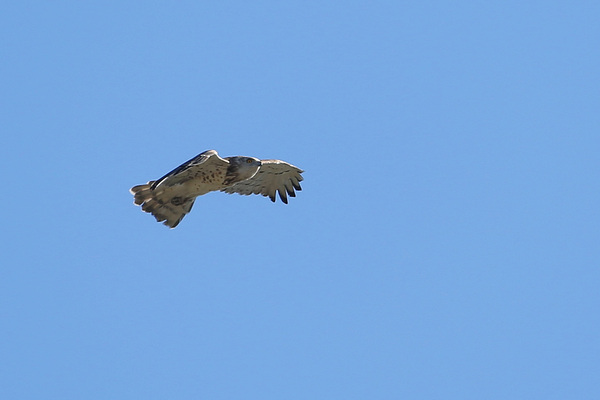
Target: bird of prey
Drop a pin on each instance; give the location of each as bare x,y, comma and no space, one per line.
171,197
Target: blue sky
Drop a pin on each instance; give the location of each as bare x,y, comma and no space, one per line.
445,245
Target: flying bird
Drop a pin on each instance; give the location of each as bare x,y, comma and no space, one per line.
171,197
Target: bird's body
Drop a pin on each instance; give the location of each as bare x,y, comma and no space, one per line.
171,197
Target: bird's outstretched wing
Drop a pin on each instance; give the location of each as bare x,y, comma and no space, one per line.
189,169
274,176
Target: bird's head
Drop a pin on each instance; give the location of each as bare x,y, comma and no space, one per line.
243,168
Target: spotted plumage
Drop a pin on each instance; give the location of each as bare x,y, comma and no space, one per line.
171,197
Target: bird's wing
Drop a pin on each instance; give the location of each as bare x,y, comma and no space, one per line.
272,177
190,169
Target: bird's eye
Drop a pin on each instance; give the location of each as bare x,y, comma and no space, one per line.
249,161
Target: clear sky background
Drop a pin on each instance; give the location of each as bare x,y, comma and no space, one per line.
445,245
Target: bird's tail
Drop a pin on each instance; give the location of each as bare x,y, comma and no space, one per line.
169,209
